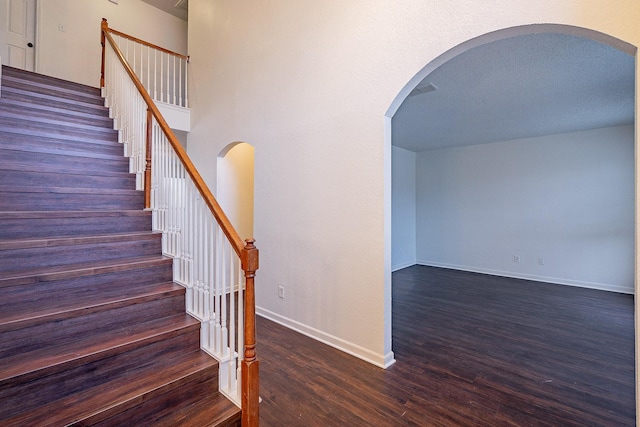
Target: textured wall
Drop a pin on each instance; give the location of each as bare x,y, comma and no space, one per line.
564,204
308,84
74,54
403,208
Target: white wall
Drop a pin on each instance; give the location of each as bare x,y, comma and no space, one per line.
235,187
563,201
75,53
308,84
403,208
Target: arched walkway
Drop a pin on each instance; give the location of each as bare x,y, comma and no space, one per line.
235,185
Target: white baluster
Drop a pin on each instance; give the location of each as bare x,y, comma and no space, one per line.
155,74
186,87
180,99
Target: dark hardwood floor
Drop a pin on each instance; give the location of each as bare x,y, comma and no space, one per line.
471,350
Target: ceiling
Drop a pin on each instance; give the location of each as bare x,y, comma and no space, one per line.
177,8
520,87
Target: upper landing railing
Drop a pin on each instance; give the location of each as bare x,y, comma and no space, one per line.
163,73
210,259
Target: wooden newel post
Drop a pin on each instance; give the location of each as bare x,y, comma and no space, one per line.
147,168
250,370
103,28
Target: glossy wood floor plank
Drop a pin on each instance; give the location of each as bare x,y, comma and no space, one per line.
471,350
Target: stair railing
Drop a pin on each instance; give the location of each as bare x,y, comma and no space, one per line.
163,73
209,255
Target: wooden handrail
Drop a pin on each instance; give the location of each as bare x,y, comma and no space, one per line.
246,251
212,203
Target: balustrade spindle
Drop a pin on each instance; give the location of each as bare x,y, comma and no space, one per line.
209,256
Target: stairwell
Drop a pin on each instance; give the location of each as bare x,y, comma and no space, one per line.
93,330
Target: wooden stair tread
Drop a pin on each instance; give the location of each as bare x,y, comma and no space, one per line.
14,316
45,144
59,272
99,115
72,214
64,93
10,244
78,89
59,119
47,361
214,410
100,402
44,98
52,224
35,129
54,154
66,190
50,80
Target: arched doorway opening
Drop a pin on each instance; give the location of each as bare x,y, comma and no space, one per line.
235,187
420,86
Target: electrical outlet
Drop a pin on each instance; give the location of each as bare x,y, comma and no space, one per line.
516,258
281,291
540,261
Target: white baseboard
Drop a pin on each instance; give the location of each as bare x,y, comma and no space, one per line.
382,361
536,278
403,265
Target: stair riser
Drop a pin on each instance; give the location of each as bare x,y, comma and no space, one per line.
151,411
55,293
28,77
63,94
45,180
17,398
38,257
70,162
21,228
112,317
74,201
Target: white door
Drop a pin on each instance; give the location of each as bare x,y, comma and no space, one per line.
17,33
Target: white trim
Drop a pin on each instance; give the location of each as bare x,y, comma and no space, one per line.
382,361
536,278
403,265
178,118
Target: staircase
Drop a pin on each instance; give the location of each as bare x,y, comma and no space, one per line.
92,329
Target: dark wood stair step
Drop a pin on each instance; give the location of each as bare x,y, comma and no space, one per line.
26,254
48,80
26,198
43,224
54,145
21,126
37,158
60,295
56,306
81,271
191,405
143,361
53,159
45,360
17,110
64,93
100,403
20,177
100,115
12,93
